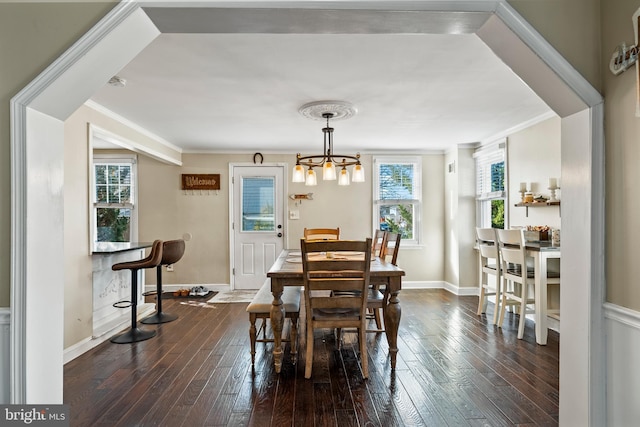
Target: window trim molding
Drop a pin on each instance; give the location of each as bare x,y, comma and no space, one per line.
93,204
488,150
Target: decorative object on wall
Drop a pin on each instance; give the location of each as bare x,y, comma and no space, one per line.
328,160
195,181
258,157
524,188
117,81
625,56
553,187
308,196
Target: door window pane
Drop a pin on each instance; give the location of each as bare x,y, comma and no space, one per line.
258,201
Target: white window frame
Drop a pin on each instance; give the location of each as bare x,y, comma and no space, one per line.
106,158
485,156
417,202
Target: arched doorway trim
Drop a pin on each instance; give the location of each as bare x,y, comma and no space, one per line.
37,140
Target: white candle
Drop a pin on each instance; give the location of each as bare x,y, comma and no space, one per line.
552,183
523,186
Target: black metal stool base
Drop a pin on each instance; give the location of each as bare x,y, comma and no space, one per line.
133,335
158,318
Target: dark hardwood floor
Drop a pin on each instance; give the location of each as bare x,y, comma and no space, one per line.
453,369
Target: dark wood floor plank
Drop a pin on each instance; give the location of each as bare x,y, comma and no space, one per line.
453,369
426,407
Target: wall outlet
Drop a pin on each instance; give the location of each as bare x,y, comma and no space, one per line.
170,267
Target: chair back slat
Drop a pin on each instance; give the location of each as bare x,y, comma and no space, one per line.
390,247
513,253
379,238
487,245
322,233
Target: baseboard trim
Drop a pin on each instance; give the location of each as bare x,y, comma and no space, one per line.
88,343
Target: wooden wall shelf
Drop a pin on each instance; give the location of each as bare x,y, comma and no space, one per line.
536,205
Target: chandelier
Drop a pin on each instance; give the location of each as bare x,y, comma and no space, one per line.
328,160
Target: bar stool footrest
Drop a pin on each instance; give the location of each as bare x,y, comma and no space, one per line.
123,304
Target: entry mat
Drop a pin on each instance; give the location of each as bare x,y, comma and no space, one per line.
233,296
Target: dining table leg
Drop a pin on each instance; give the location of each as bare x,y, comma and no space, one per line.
392,314
540,279
277,316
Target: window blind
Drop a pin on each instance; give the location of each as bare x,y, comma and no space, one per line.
490,172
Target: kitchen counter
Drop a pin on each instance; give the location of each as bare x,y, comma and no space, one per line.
112,286
113,247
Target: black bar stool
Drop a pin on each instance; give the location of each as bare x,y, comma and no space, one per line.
172,252
136,334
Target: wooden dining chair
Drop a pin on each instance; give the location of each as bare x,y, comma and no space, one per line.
489,265
513,256
322,233
378,241
378,296
345,272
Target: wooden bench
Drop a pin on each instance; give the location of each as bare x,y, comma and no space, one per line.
260,308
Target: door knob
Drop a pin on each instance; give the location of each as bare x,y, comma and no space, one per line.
279,234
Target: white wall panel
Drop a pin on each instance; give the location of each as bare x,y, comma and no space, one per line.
623,369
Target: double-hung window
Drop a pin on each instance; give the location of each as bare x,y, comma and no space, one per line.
491,197
398,196
114,190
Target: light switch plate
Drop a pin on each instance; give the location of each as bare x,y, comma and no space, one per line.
294,214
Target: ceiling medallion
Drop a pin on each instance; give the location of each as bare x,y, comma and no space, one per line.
328,160
340,110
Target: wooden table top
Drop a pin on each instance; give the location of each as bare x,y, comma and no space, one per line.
289,265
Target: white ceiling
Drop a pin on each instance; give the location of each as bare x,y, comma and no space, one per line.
240,92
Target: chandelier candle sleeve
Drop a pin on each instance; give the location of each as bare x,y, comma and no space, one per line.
311,178
344,177
298,173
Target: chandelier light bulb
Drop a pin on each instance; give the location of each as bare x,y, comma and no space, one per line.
329,171
358,173
344,177
311,177
298,173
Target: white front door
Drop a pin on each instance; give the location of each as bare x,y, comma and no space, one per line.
258,223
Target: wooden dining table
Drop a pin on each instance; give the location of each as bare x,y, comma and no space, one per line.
541,252
287,271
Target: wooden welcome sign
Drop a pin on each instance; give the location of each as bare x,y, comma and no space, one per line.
196,181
